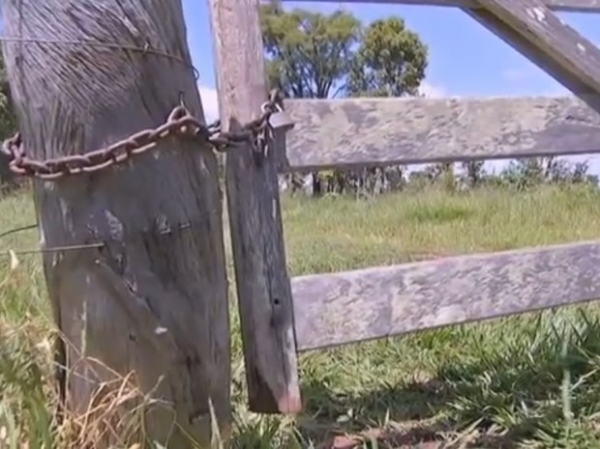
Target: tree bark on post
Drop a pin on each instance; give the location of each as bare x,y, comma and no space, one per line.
263,285
150,294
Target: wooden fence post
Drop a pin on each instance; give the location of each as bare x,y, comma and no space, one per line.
263,285
149,294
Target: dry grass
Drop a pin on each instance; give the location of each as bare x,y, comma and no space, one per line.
531,381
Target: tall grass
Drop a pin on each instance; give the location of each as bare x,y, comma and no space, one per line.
529,381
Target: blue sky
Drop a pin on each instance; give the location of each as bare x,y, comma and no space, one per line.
465,59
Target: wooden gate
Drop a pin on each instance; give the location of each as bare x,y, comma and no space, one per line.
324,310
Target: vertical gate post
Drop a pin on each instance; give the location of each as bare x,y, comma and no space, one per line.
263,285
146,292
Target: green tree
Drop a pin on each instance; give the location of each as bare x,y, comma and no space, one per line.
309,54
391,61
531,172
8,121
8,124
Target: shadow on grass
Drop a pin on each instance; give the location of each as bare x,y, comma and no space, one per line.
410,407
541,388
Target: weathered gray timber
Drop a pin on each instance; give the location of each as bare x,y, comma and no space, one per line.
341,308
262,281
557,5
384,131
153,299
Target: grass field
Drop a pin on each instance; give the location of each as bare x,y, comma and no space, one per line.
531,381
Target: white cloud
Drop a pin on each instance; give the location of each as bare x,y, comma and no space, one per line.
210,103
432,91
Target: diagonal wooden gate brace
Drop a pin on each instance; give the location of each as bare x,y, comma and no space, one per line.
538,33
263,285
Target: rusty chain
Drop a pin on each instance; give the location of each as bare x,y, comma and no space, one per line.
179,122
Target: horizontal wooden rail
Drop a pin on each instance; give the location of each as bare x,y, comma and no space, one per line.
385,131
557,5
341,308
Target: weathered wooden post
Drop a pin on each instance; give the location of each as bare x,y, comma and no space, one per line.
85,74
263,285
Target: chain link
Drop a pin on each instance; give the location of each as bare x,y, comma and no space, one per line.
180,122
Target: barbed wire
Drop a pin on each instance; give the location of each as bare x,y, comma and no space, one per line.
11,252
146,49
54,249
19,229
179,122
